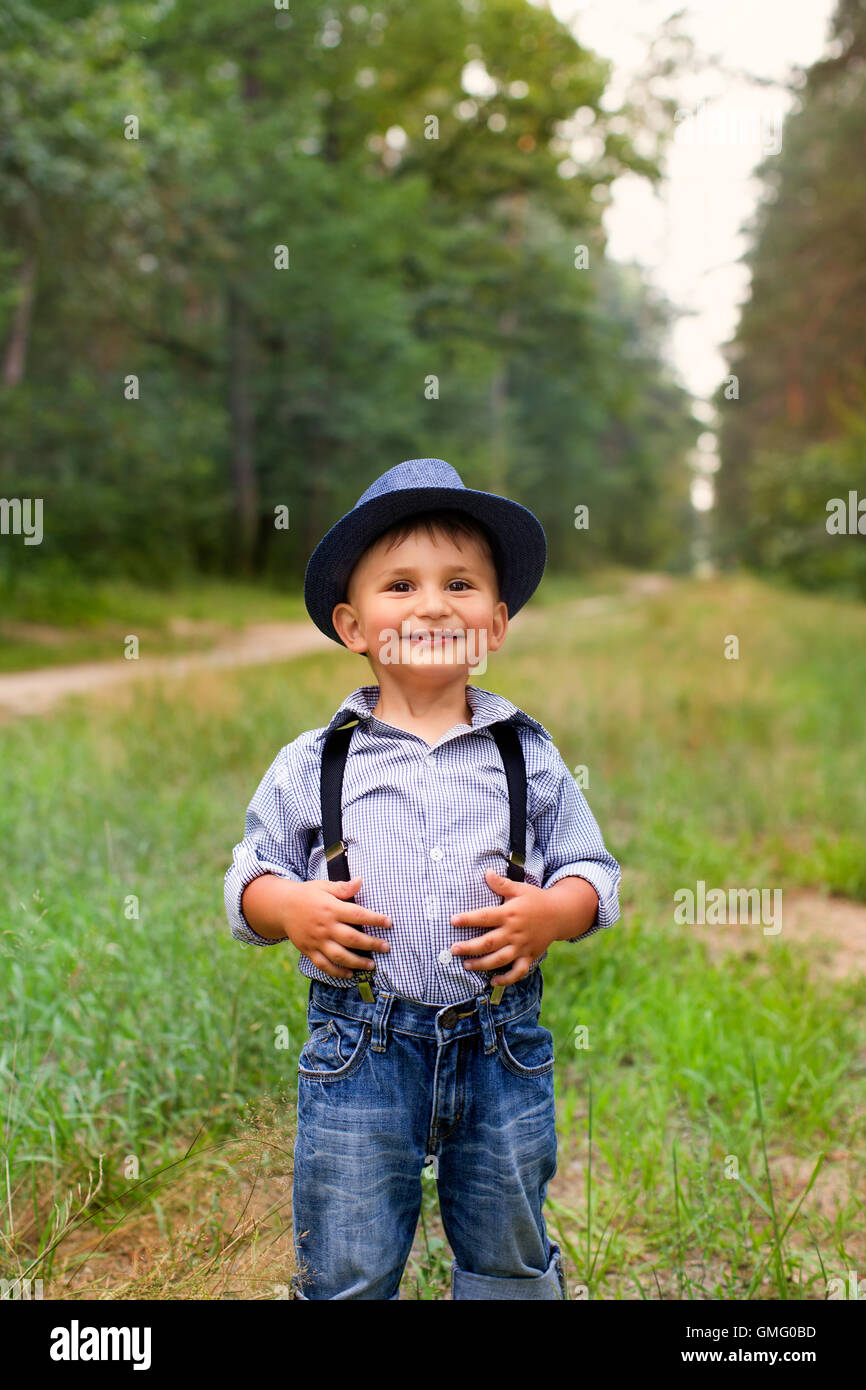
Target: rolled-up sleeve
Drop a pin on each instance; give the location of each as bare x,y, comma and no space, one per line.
570,840
274,843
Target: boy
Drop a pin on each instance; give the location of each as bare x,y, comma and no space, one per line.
441,1066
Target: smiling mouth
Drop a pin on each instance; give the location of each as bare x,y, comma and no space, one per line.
424,636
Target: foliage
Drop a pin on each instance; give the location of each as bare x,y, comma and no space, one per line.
794,438
408,259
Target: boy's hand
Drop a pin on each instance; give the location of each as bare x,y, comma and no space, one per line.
321,929
522,927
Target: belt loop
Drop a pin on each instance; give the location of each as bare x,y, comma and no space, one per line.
381,1011
486,1019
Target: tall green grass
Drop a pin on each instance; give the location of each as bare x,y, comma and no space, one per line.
136,1027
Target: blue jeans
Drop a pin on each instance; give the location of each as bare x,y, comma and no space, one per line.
384,1086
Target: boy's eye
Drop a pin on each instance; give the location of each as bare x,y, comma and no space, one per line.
453,581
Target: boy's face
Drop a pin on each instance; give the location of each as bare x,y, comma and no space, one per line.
419,586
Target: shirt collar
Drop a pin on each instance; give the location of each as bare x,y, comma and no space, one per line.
486,706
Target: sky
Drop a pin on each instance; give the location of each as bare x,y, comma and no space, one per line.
689,235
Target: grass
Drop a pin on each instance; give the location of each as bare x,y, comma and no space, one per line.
85,621
138,1030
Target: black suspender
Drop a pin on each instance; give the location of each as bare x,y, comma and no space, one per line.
334,754
515,774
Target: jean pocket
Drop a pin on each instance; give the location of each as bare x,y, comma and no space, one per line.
525,1046
335,1049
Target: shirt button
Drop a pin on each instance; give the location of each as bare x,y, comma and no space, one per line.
445,957
437,853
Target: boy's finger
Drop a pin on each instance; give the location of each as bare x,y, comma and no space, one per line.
354,913
480,917
360,941
493,960
339,886
321,960
477,946
519,968
341,955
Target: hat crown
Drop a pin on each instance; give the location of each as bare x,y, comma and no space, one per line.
413,473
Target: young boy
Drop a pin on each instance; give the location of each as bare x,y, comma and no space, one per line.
421,576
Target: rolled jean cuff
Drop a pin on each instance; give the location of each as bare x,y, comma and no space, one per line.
549,1285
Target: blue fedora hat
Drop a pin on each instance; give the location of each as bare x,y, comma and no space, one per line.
419,485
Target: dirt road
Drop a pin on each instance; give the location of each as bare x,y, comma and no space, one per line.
35,692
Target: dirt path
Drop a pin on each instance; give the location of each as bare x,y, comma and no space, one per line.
35,692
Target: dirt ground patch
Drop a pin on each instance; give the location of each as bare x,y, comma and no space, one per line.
830,932
222,1228
35,692
835,1201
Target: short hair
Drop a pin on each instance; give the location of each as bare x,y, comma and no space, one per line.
453,523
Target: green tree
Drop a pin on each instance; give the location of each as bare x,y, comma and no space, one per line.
415,162
799,353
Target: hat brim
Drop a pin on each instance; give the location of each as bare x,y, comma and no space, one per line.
517,536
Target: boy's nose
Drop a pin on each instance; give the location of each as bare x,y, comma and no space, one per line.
432,610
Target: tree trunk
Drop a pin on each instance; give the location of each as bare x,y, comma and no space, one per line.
243,470
498,474
15,356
